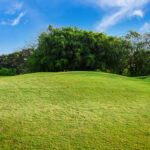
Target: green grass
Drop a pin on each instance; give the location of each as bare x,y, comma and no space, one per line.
74,111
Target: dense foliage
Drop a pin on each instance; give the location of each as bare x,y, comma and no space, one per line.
7,72
16,61
71,49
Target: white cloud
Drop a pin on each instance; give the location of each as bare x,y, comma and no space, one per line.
13,22
125,9
138,13
17,20
145,27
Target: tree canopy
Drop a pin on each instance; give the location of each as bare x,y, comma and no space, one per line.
71,49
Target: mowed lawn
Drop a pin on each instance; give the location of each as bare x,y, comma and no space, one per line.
74,111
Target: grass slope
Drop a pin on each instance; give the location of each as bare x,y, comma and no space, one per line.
74,110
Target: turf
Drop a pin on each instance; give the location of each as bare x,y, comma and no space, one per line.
74,110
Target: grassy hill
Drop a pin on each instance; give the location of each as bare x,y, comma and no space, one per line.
74,110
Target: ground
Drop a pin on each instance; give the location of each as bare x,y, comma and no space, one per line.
74,110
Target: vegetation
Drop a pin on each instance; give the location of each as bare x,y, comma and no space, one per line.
74,110
16,60
7,72
77,110
71,49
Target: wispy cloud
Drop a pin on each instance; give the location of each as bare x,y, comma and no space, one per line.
125,9
145,28
3,23
14,8
17,20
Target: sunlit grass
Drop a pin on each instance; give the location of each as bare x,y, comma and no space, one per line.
74,110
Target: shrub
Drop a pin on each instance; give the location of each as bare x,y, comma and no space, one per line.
7,72
126,72
98,70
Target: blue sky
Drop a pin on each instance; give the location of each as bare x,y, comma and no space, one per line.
21,21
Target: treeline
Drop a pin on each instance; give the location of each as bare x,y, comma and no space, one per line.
71,49
15,63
